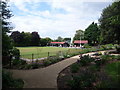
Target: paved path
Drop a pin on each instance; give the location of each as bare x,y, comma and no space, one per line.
44,77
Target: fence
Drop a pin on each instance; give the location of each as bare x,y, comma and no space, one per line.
47,54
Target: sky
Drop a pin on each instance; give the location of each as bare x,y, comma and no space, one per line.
53,18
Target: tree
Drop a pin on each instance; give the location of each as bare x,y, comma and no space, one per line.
110,24
26,38
67,39
79,33
6,41
92,33
45,41
59,39
35,39
17,38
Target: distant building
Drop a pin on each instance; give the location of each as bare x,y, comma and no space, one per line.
60,44
77,42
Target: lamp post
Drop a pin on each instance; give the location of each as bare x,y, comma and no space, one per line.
80,40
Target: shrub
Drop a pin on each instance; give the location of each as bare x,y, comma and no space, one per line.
46,62
98,64
16,53
106,58
35,65
9,82
85,79
87,46
118,49
16,62
104,47
53,59
86,59
28,66
74,68
118,57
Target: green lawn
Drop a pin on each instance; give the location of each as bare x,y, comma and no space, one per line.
39,52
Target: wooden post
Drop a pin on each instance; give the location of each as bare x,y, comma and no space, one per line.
10,60
32,57
48,54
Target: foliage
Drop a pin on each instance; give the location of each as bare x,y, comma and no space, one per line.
59,39
86,59
112,70
45,41
53,59
79,33
35,40
6,41
9,82
118,49
18,62
74,68
46,62
110,24
17,38
35,65
107,57
107,46
16,53
67,40
85,79
25,38
92,34
87,46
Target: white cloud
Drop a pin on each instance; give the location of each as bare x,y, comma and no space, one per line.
49,24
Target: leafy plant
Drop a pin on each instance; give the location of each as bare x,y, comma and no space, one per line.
118,49
86,59
74,68
85,79
9,82
16,53
46,62
16,62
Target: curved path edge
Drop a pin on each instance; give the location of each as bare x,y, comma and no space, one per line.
45,77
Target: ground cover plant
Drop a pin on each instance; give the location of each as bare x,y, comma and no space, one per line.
101,74
9,81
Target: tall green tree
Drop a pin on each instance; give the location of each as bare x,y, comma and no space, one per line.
78,34
45,41
59,39
67,39
35,39
6,27
110,24
92,33
17,38
26,38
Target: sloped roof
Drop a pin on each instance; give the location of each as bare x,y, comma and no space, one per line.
82,41
57,42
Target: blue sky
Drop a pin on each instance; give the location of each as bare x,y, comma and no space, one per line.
53,18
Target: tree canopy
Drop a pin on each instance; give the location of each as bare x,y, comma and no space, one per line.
45,41
110,24
78,34
92,33
6,27
25,38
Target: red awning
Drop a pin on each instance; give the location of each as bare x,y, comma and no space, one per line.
57,42
82,41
